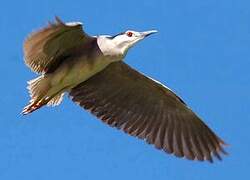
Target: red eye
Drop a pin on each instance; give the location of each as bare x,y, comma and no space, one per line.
129,34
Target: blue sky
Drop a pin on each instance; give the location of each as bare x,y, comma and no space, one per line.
201,52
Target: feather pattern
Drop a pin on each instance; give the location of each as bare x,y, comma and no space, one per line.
45,49
128,100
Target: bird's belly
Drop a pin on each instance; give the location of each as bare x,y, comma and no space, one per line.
84,70
68,76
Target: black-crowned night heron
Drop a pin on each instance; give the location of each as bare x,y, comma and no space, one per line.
92,71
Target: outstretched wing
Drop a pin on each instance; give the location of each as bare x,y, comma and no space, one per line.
44,49
142,107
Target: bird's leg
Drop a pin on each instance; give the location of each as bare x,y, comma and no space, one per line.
36,104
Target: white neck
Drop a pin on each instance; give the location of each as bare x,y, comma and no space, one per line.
109,48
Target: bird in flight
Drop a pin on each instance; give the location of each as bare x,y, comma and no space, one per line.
91,70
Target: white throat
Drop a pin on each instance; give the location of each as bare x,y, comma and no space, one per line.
109,48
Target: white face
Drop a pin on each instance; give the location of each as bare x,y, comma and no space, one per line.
120,44
127,39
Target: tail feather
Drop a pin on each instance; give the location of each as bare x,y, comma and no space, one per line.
41,94
56,100
38,87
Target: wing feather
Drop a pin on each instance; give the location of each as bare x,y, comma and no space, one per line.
130,101
46,48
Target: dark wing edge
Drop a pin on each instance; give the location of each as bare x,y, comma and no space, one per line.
123,98
45,47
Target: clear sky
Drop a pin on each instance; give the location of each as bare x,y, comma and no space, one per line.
201,52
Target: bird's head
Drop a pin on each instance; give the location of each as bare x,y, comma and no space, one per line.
119,44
